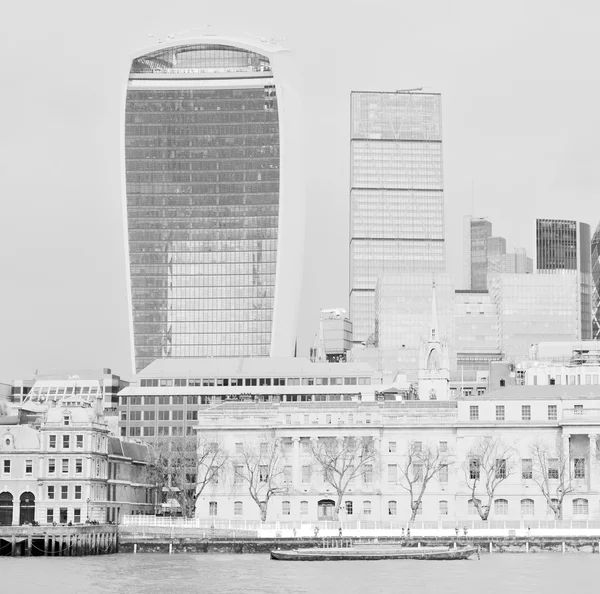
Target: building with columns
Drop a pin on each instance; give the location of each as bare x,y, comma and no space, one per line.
560,421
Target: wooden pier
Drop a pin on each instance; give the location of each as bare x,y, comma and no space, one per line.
58,541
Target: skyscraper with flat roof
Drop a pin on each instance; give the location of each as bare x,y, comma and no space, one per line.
214,200
564,247
396,194
477,233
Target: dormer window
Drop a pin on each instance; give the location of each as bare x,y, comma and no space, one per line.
66,420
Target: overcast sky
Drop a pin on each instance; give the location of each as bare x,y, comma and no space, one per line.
520,88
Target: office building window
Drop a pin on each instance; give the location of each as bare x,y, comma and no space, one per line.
552,412
443,507
238,508
473,413
286,508
526,469
304,508
212,508
526,412
64,492
392,508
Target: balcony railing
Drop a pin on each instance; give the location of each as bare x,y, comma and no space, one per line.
584,415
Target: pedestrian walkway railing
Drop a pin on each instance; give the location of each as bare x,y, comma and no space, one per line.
215,527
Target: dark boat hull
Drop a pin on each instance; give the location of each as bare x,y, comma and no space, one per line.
367,555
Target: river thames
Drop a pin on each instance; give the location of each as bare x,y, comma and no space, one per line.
506,573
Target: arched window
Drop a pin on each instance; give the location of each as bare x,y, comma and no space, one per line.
472,510
6,508
238,508
580,507
212,508
443,508
527,507
501,507
392,508
286,508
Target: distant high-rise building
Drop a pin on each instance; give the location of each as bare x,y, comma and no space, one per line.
484,255
477,232
564,247
477,328
595,246
215,206
396,195
534,308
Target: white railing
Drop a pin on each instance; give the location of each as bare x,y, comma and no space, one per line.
214,527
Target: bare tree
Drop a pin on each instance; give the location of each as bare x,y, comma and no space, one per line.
211,459
489,462
551,472
342,460
181,466
422,462
262,470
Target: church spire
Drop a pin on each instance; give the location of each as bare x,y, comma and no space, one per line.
434,333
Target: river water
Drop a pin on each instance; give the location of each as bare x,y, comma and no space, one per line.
506,573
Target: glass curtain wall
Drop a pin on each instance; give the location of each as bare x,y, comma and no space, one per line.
396,197
202,180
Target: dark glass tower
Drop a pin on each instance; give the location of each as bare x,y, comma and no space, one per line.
202,159
564,247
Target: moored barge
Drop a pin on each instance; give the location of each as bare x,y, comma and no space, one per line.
374,552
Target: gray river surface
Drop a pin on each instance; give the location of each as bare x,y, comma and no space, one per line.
506,573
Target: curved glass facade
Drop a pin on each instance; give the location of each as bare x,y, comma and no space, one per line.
202,180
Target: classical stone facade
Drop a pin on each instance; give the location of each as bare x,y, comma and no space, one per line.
560,421
58,464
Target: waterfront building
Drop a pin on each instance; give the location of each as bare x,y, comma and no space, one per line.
564,248
534,308
170,393
59,464
561,421
396,194
20,389
595,246
403,308
215,204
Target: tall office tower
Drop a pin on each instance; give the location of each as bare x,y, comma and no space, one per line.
396,195
515,263
564,247
596,282
215,206
475,243
534,308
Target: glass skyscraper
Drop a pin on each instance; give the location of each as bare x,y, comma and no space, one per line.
396,195
564,247
213,211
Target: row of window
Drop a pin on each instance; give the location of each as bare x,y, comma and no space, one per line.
62,516
525,412
52,492
501,508
66,440
552,470
254,381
